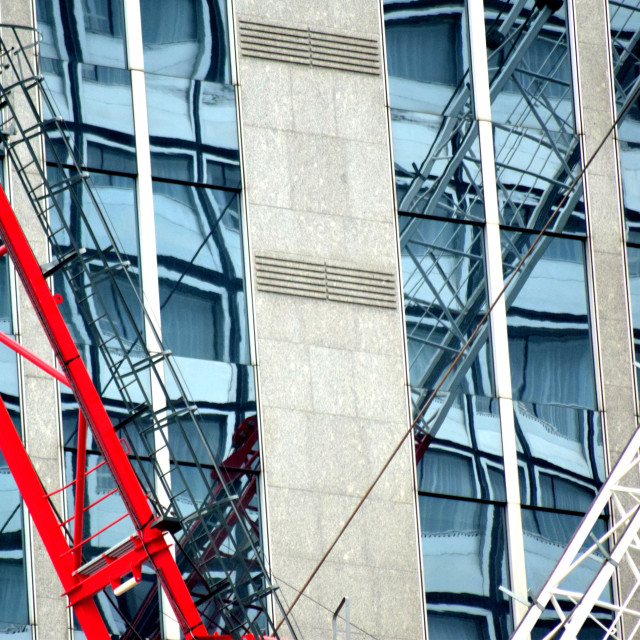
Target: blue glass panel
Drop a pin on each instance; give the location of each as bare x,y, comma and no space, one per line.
186,38
546,534
529,65
96,106
625,25
464,559
86,31
437,165
14,618
535,174
465,456
548,322
118,197
192,125
560,449
633,262
6,321
201,271
225,396
426,54
445,297
630,170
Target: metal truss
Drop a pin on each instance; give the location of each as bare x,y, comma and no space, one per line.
218,559
579,588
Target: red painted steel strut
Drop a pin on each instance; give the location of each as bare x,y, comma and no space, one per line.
148,544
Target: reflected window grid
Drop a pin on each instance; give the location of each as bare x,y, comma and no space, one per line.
537,157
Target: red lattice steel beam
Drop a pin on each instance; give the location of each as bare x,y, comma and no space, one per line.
150,544
46,521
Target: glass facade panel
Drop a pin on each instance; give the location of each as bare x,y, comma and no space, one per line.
625,26
548,322
560,449
437,165
186,38
419,31
546,534
529,65
192,125
14,611
96,106
465,456
90,31
464,559
535,175
445,297
200,265
447,256
14,601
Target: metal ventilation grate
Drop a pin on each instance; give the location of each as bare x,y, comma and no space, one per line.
325,281
310,47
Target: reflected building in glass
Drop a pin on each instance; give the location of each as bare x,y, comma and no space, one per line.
347,219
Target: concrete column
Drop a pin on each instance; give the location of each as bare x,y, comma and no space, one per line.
607,250
39,408
332,378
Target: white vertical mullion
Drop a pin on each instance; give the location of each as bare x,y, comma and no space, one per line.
149,262
498,320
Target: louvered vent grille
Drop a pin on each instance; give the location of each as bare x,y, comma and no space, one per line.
306,46
325,281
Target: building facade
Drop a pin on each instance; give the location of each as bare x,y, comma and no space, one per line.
320,204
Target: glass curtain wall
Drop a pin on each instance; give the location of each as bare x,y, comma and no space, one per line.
452,185
192,149
14,608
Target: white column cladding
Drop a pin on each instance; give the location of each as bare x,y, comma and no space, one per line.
498,318
148,261
333,392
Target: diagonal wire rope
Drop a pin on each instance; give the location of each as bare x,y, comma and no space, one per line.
458,357
325,607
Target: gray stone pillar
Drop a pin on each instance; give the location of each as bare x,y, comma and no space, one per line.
327,306
40,409
607,250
